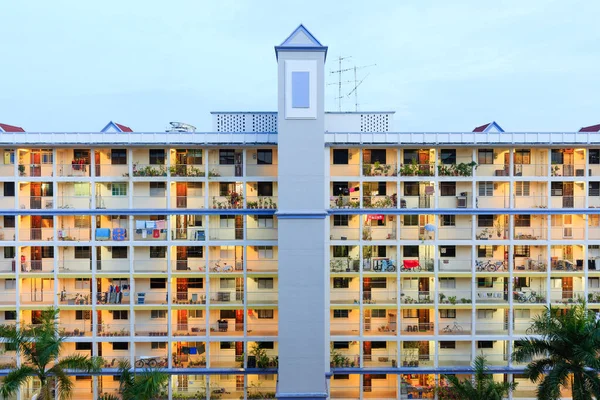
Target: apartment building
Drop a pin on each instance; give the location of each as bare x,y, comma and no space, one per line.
306,253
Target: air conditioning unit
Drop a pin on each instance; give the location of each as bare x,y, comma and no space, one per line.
461,202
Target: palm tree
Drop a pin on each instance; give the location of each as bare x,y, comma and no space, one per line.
40,346
482,387
146,385
565,354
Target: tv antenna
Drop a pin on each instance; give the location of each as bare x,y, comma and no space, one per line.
356,81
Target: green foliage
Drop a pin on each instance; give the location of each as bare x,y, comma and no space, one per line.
564,353
481,387
145,385
40,346
461,169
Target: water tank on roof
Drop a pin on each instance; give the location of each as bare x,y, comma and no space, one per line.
180,127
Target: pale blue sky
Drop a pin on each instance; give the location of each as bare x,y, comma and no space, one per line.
441,65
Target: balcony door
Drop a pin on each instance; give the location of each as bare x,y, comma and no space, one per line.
423,320
182,317
568,191
182,258
36,227
182,289
367,351
567,287
239,318
37,290
239,161
424,350
35,193
36,258
35,161
181,188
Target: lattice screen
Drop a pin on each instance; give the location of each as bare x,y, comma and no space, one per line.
231,123
264,123
374,123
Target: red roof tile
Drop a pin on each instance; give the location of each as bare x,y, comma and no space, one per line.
593,128
481,128
124,128
11,128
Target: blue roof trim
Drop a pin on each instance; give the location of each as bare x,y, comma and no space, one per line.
298,48
301,28
493,124
301,215
109,125
461,211
146,211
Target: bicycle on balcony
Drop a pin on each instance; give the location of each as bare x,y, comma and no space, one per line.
384,266
221,268
490,266
413,266
524,297
454,328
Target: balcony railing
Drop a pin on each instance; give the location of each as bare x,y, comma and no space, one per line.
492,202
74,170
566,296
491,296
454,265
195,265
454,233
344,328
187,202
532,201
156,265
192,234
344,264
409,296
73,234
414,169
227,297
112,202
112,170
217,170
76,329
40,297
461,358
74,202
226,327
121,265
37,234
262,329
151,329
380,201
261,202
422,201
76,298
483,327
189,329
262,265
34,170
75,266
8,362
493,170
340,233
195,297
567,170
378,233
261,234
261,170
267,297
149,170
455,296
530,170
378,169
526,233
140,235
453,327
342,169
149,201
567,233
344,296
187,170
7,234
36,202
416,328
344,202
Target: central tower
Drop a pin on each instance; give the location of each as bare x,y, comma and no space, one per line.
303,289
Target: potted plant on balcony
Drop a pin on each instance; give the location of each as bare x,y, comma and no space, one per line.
499,229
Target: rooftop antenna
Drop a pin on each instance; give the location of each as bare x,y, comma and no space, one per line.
339,82
356,82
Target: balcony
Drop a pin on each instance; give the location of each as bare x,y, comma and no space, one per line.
483,327
225,361
340,296
187,202
380,201
154,234
37,297
454,233
531,201
73,234
263,297
187,170
530,170
226,328
454,296
78,298
151,329
491,265
262,265
454,265
112,202
75,266
189,329
567,233
492,202
493,170
37,266
568,170
8,362
227,297
342,233
417,328
225,265
380,360
374,296
149,202
422,201
567,202
225,170
526,295
7,266
8,298
155,265
491,296
416,297
414,359
80,329
36,202
34,170
191,266
344,328
262,329
344,202
527,233
378,169
463,169
261,170
7,234
149,170
261,202
74,202
227,202
335,170
414,169
344,264
151,297
261,234
456,358
566,296
189,234
73,170
412,265
112,170
36,234
120,265
378,233
460,327
196,297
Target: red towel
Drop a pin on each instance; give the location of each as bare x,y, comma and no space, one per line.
411,263
156,233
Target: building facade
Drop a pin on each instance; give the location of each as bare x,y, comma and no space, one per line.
297,252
